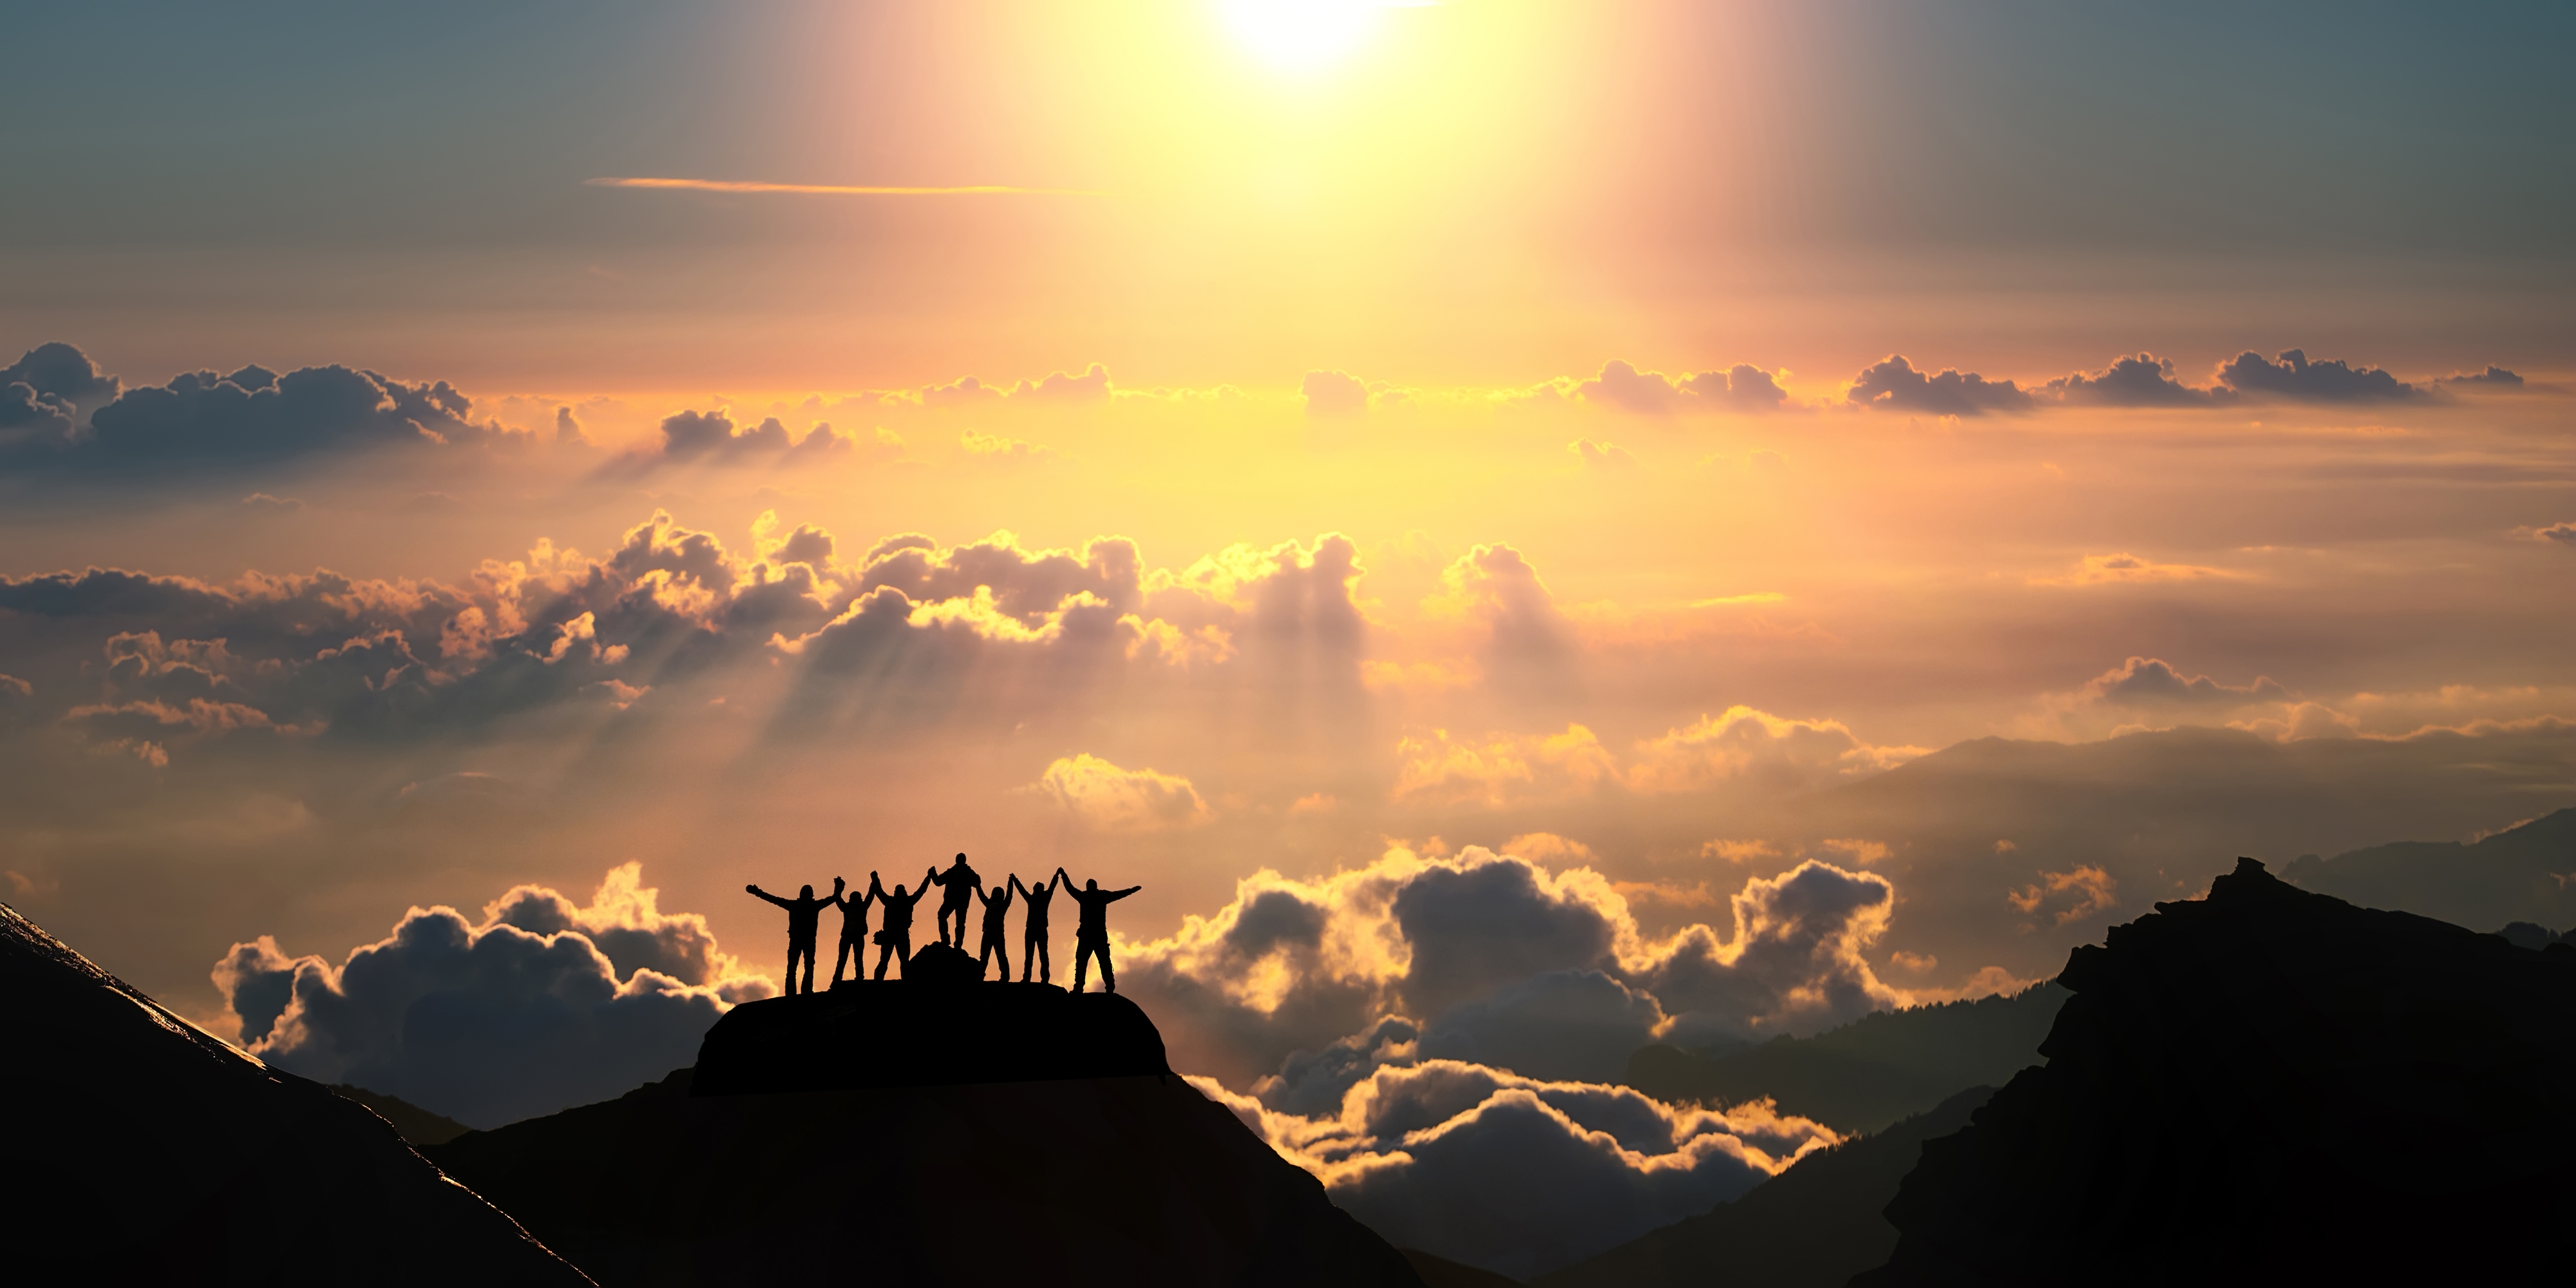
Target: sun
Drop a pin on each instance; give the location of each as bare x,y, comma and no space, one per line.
1302,35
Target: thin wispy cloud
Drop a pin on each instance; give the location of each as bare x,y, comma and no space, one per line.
835,189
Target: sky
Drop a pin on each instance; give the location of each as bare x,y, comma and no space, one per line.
1527,528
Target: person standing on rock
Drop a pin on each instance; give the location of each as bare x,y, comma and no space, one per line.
804,916
996,905
1091,934
854,933
1033,941
962,886
894,939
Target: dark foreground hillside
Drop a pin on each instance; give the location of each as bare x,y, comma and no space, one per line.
143,1151
1812,1226
2270,1085
1133,1180
1868,1073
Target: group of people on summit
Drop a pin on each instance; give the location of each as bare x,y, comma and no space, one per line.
962,888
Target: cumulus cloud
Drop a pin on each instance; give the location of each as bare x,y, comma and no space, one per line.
2561,533
1895,385
1741,742
1526,636
202,419
1333,393
2293,378
2494,377
1741,388
521,1014
1057,386
1601,455
2142,381
712,436
2067,896
2147,681
1522,1175
1496,958
1120,800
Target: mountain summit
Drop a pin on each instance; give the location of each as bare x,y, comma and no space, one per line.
2270,1084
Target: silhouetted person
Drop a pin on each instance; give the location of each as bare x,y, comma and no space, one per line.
962,885
804,914
854,934
894,939
1091,934
995,905
1033,943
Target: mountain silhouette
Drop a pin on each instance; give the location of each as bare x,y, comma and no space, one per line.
2270,1085
2518,874
1000,1169
1869,1073
1812,1226
142,1149
416,1125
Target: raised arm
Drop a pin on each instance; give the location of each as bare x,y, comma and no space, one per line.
980,896
1018,889
929,878
1060,879
763,894
1113,896
876,889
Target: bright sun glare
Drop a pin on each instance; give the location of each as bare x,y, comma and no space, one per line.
1301,35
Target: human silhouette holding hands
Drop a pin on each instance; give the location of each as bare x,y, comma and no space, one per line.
854,932
1091,934
996,905
1033,941
804,914
962,886
894,939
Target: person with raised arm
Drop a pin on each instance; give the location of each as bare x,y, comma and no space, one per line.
995,905
1033,940
894,938
1091,934
854,934
804,916
962,885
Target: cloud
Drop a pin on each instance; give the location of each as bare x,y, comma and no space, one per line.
1522,1175
2561,533
263,501
1333,393
1609,456
712,436
1120,800
201,419
1500,770
1895,385
1527,639
492,1022
2143,381
1741,742
2296,379
967,391
2068,896
2494,377
1741,388
2147,681
2096,570
1494,957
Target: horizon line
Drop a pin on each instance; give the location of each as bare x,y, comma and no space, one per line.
834,189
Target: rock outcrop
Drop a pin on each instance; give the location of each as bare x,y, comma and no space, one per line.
909,1132
2270,1085
143,1150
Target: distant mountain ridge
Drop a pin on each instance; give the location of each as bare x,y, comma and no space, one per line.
1865,1075
2519,874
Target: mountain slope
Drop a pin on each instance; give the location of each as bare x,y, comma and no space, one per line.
2270,1085
1813,1226
1871,1072
143,1150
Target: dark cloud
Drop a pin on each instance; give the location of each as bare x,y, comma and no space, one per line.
202,419
1333,393
2493,377
568,429
712,436
1529,637
2147,681
1895,385
543,1004
2562,533
2296,379
1564,1025
2143,381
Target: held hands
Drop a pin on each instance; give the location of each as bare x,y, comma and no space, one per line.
751,889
